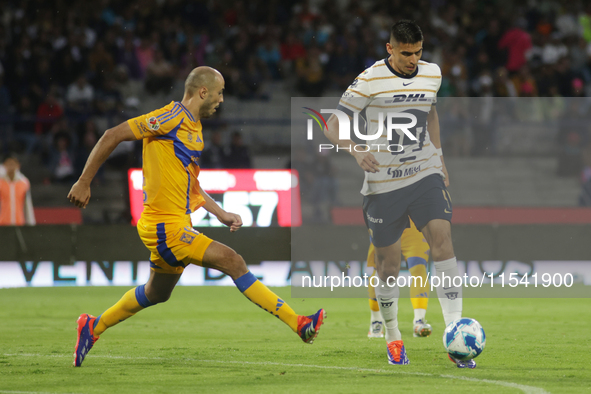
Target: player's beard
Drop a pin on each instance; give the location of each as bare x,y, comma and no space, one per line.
207,109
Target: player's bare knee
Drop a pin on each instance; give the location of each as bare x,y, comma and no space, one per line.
441,248
237,266
387,267
232,264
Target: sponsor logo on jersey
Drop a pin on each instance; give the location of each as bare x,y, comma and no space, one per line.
406,84
407,172
141,127
153,123
374,220
407,98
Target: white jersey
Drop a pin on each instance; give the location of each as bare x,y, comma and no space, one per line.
381,89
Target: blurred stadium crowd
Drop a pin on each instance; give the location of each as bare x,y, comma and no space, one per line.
69,70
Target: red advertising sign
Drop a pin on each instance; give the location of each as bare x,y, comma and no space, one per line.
263,198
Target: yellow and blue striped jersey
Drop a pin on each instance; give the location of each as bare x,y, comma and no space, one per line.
173,142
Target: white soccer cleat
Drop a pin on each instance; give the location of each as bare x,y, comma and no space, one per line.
421,329
376,329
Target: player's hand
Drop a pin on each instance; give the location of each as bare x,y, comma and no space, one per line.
367,162
232,220
79,194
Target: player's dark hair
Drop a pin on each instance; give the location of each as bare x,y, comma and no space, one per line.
406,32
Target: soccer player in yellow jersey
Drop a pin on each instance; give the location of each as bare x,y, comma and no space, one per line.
172,144
415,250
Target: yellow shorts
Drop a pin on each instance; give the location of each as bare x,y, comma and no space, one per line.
173,246
412,243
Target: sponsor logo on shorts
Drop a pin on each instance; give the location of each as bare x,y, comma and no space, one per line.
374,220
153,123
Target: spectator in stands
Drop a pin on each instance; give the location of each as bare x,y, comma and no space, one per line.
268,52
310,73
88,139
108,98
238,155
48,113
292,49
24,125
62,159
80,97
213,155
131,90
517,42
159,74
145,54
16,205
4,113
503,86
100,63
252,81
127,57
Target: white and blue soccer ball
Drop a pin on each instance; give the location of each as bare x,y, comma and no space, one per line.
464,339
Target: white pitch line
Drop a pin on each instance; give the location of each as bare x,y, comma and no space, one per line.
522,387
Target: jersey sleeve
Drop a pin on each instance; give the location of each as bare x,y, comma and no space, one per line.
356,97
158,122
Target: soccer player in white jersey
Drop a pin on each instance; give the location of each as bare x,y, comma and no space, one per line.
402,183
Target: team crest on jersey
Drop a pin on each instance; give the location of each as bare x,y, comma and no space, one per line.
190,136
153,123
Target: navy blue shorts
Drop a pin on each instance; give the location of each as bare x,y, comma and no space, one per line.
386,214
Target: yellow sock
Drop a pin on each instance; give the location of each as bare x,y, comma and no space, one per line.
419,295
260,295
373,302
126,307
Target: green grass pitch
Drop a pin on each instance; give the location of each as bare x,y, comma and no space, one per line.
211,339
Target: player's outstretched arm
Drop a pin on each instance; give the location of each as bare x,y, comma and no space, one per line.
366,160
232,220
80,193
434,135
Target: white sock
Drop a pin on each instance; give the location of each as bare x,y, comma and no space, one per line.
450,296
376,316
420,314
387,297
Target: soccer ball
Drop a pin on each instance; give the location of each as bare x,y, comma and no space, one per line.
464,339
